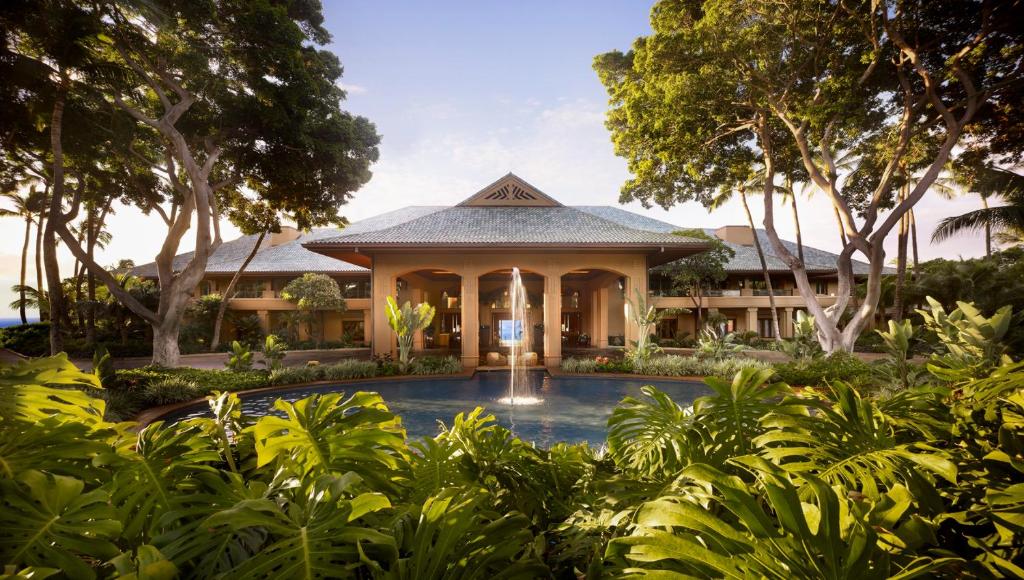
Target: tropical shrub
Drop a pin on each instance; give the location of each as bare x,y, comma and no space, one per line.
838,366
897,370
665,366
803,346
436,365
971,343
715,344
274,351
31,339
756,479
171,390
240,358
406,321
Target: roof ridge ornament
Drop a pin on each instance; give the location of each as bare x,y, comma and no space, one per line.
510,190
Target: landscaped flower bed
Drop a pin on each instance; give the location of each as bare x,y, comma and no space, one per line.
130,391
663,366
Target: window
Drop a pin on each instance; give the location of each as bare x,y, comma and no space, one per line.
353,330
249,289
764,328
354,288
207,287
821,287
667,327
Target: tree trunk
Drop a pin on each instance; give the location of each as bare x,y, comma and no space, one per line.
901,261
56,293
39,251
988,230
796,222
231,288
94,224
764,269
913,244
165,342
697,315
842,231
24,269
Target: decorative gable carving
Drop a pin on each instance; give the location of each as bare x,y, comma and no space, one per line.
510,190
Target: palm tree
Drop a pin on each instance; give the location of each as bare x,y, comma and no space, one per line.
986,181
726,195
25,206
29,297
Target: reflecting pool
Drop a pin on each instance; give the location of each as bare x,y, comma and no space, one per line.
574,409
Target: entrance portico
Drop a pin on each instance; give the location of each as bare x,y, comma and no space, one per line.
582,265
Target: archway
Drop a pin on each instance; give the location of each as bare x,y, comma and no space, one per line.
593,310
442,289
494,308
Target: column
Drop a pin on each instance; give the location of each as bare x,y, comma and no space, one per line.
752,320
416,296
552,319
368,325
786,323
383,337
601,339
470,302
264,317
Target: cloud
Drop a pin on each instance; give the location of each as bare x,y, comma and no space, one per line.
351,88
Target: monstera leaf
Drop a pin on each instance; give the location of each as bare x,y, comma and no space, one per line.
728,420
324,433
39,388
850,442
727,532
456,535
147,563
314,534
195,547
52,445
47,521
148,480
652,437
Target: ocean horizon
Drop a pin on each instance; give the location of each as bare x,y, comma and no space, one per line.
14,321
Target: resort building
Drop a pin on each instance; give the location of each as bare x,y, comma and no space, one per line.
580,265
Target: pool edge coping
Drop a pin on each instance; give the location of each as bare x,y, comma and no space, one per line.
152,414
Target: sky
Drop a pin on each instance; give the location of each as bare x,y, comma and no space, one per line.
462,92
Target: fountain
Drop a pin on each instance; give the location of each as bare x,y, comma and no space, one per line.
517,336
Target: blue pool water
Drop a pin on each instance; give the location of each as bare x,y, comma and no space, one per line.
574,409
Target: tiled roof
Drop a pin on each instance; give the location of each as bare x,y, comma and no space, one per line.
746,259
509,226
289,256
579,225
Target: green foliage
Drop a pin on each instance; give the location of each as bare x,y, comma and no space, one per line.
274,351
973,343
839,366
436,365
897,370
169,390
804,345
696,274
716,344
313,294
240,358
988,282
754,479
664,366
27,339
644,317
406,321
